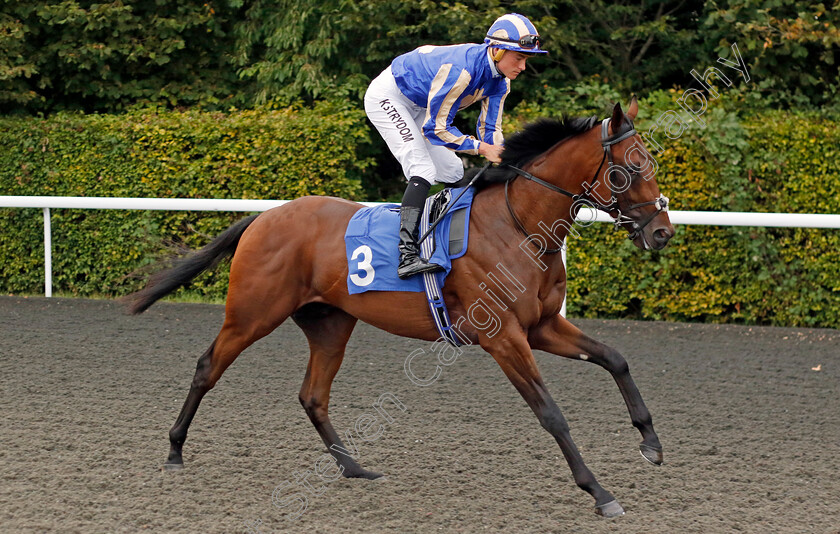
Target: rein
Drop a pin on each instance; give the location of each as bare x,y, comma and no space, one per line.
606,142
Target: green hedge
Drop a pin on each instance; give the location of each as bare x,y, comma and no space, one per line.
766,162
257,154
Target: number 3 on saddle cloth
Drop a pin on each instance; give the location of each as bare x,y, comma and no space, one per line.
371,241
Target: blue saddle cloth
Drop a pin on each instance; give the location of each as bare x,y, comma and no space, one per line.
371,241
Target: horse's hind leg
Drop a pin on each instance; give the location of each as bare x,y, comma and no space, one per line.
558,336
239,331
328,329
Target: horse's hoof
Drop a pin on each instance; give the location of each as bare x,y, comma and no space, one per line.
610,509
172,466
651,454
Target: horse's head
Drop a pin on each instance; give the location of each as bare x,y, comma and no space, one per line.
564,153
629,180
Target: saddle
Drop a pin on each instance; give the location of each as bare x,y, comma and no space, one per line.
372,236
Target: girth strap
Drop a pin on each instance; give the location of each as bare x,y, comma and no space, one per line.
434,294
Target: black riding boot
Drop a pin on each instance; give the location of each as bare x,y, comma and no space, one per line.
410,261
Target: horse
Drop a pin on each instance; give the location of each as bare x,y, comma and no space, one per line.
290,262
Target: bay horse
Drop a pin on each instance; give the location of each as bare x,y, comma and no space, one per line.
290,262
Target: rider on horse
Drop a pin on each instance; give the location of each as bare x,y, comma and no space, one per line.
413,103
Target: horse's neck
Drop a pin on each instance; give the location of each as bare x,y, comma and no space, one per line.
543,211
546,216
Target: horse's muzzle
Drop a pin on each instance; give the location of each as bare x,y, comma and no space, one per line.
661,236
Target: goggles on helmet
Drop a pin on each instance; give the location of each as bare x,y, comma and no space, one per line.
526,41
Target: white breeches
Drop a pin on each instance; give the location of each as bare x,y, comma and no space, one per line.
400,123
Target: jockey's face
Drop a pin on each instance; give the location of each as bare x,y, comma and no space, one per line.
512,63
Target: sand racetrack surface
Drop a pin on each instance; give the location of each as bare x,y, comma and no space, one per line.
749,418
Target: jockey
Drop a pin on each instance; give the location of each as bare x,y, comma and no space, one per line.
413,103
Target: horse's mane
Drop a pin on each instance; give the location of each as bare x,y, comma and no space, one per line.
530,142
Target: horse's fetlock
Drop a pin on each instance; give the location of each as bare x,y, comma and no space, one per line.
177,436
643,422
586,482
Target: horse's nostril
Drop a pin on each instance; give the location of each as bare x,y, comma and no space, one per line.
661,235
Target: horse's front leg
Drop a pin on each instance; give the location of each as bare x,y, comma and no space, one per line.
514,356
558,336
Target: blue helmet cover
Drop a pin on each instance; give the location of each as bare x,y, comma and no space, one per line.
512,27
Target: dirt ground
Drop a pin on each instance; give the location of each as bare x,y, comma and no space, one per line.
749,418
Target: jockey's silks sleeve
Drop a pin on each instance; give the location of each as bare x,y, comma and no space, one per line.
444,79
489,123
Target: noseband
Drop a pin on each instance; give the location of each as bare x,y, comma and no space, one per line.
607,141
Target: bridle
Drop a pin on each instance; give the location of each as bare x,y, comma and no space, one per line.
607,141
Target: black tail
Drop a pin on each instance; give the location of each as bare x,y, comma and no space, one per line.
185,269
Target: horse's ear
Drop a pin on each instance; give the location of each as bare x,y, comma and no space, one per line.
633,108
617,117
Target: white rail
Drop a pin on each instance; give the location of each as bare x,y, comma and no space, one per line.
165,204
715,218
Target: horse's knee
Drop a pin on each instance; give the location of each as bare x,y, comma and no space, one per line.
314,408
614,362
203,381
